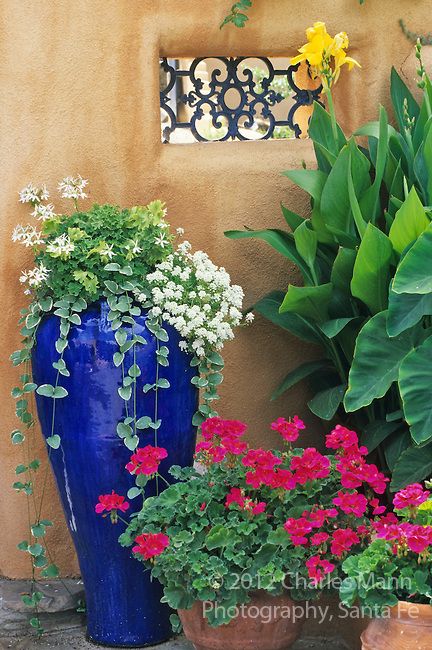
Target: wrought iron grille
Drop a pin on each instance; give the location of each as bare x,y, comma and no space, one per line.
231,104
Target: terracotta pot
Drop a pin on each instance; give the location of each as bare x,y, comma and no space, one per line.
267,622
407,627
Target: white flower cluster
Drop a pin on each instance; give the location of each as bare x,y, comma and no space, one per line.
34,277
61,246
27,235
73,188
70,188
31,194
43,212
197,298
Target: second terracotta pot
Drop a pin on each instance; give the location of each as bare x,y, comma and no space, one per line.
408,627
267,622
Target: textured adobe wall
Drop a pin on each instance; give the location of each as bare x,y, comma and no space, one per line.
79,84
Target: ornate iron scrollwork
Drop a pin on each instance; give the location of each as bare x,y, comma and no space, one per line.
231,103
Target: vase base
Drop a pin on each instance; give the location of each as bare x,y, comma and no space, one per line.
110,644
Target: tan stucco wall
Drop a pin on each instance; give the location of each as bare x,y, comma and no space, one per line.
79,86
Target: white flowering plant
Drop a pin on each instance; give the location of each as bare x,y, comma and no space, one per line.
130,259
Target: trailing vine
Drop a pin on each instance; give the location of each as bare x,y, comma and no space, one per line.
117,256
414,37
238,16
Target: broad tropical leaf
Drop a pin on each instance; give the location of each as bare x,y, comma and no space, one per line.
415,384
406,310
414,271
371,269
325,404
414,465
309,302
310,180
402,96
409,222
376,362
280,240
300,327
305,370
376,432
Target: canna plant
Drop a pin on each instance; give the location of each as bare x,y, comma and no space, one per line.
366,300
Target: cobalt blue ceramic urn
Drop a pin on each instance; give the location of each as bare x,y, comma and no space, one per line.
123,604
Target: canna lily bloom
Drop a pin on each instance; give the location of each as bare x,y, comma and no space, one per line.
324,54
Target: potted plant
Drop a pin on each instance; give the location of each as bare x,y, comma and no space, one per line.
391,578
123,328
363,255
237,540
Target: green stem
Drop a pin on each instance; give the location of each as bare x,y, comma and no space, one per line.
332,114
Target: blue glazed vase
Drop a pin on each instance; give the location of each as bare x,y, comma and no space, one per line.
123,604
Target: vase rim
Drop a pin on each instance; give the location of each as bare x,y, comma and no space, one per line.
412,613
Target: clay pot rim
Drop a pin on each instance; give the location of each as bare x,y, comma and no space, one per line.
401,613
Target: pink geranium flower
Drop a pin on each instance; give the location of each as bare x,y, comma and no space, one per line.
236,496
341,438
298,529
146,460
342,540
319,538
261,459
310,465
318,568
288,429
411,497
150,545
351,503
111,503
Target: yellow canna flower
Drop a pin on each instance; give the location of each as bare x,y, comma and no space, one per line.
324,54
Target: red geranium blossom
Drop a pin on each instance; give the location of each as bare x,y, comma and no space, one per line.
260,458
111,503
341,438
351,503
343,539
237,496
298,529
310,465
150,544
221,437
377,508
319,538
411,497
318,568
146,460
288,429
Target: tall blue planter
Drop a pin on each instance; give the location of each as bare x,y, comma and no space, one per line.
123,604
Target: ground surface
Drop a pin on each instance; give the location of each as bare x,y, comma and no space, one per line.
65,628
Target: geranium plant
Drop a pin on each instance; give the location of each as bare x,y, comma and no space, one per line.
128,258
363,254
256,519
396,565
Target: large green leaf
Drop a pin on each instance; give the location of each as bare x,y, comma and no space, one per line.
305,370
396,445
309,302
343,268
335,201
306,242
300,327
375,433
413,274
415,382
292,218
325,404
414,465
402,100
310,180
427,154
371,269
280,240
370,203
332,328
406,310
321,131
376,362
409,223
